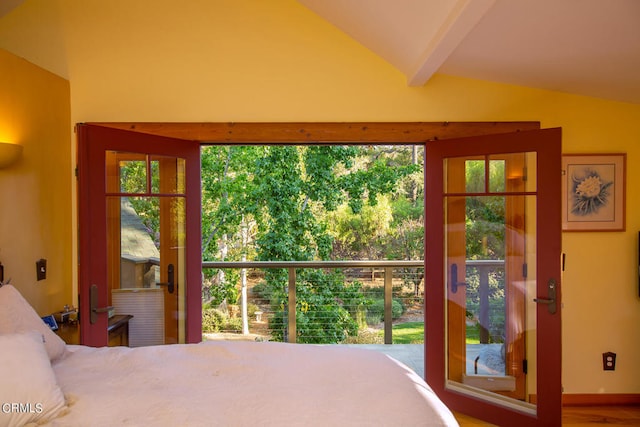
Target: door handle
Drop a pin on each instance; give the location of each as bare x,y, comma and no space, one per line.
551,300
170,280
454,279
93,302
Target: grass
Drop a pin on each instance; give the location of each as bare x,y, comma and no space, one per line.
408,333
413,333
473,334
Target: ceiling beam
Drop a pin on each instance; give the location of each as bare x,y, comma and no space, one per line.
463,18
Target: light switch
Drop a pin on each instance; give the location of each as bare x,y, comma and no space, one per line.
41,269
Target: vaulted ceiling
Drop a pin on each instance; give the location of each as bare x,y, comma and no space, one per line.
585,47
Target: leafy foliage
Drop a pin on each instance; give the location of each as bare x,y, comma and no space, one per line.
300,203
297,186
485,231
362,235
325,202
485,216
215,320
326,308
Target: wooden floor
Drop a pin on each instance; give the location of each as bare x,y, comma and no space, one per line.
579,416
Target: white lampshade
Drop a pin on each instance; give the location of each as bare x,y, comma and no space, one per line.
9,153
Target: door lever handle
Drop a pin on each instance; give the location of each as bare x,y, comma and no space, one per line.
550,302
454,279
170,284
93,302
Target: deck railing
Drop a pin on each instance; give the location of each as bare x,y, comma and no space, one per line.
483,271
478,270
371,267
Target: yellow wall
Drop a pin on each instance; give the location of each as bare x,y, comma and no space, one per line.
36,190
251,60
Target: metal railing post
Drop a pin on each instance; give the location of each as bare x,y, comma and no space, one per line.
483,297
388,305
483,269
291,314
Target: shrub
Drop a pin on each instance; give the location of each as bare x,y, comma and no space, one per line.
216,320
373,318
366,336
212,319
326,307
251,310
263,290
225,289
233,324
376,310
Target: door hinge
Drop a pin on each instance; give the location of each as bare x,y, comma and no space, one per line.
525,366
76,171
524,270
524,174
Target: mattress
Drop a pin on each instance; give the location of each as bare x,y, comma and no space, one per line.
240,383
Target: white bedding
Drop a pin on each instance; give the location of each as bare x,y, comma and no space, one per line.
238,383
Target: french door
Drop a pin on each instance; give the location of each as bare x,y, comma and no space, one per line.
140,257
493,233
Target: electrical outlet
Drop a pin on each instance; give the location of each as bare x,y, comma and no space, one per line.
609,361
41,269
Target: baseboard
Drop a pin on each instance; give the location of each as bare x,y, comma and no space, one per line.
601,399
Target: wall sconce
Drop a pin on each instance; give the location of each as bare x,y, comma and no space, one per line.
9,153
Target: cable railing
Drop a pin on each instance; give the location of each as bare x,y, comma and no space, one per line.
487,301
357,301
310,303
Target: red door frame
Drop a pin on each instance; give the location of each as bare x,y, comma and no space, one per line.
93,141
547,143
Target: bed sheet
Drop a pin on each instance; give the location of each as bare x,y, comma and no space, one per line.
239,383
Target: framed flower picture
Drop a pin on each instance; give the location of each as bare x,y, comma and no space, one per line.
593,192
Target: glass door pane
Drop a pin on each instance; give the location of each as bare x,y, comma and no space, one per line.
490,234
146,240
493,251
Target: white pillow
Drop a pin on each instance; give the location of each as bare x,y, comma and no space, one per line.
16,315
28,390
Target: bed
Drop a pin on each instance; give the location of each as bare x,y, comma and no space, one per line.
226,383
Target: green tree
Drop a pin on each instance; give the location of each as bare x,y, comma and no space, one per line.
271,203
295,185
485,230
361,235
381,228
485,215
227,196
228,221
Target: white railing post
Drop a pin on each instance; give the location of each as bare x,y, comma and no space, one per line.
245,315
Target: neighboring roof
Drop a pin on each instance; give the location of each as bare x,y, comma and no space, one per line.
135,239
